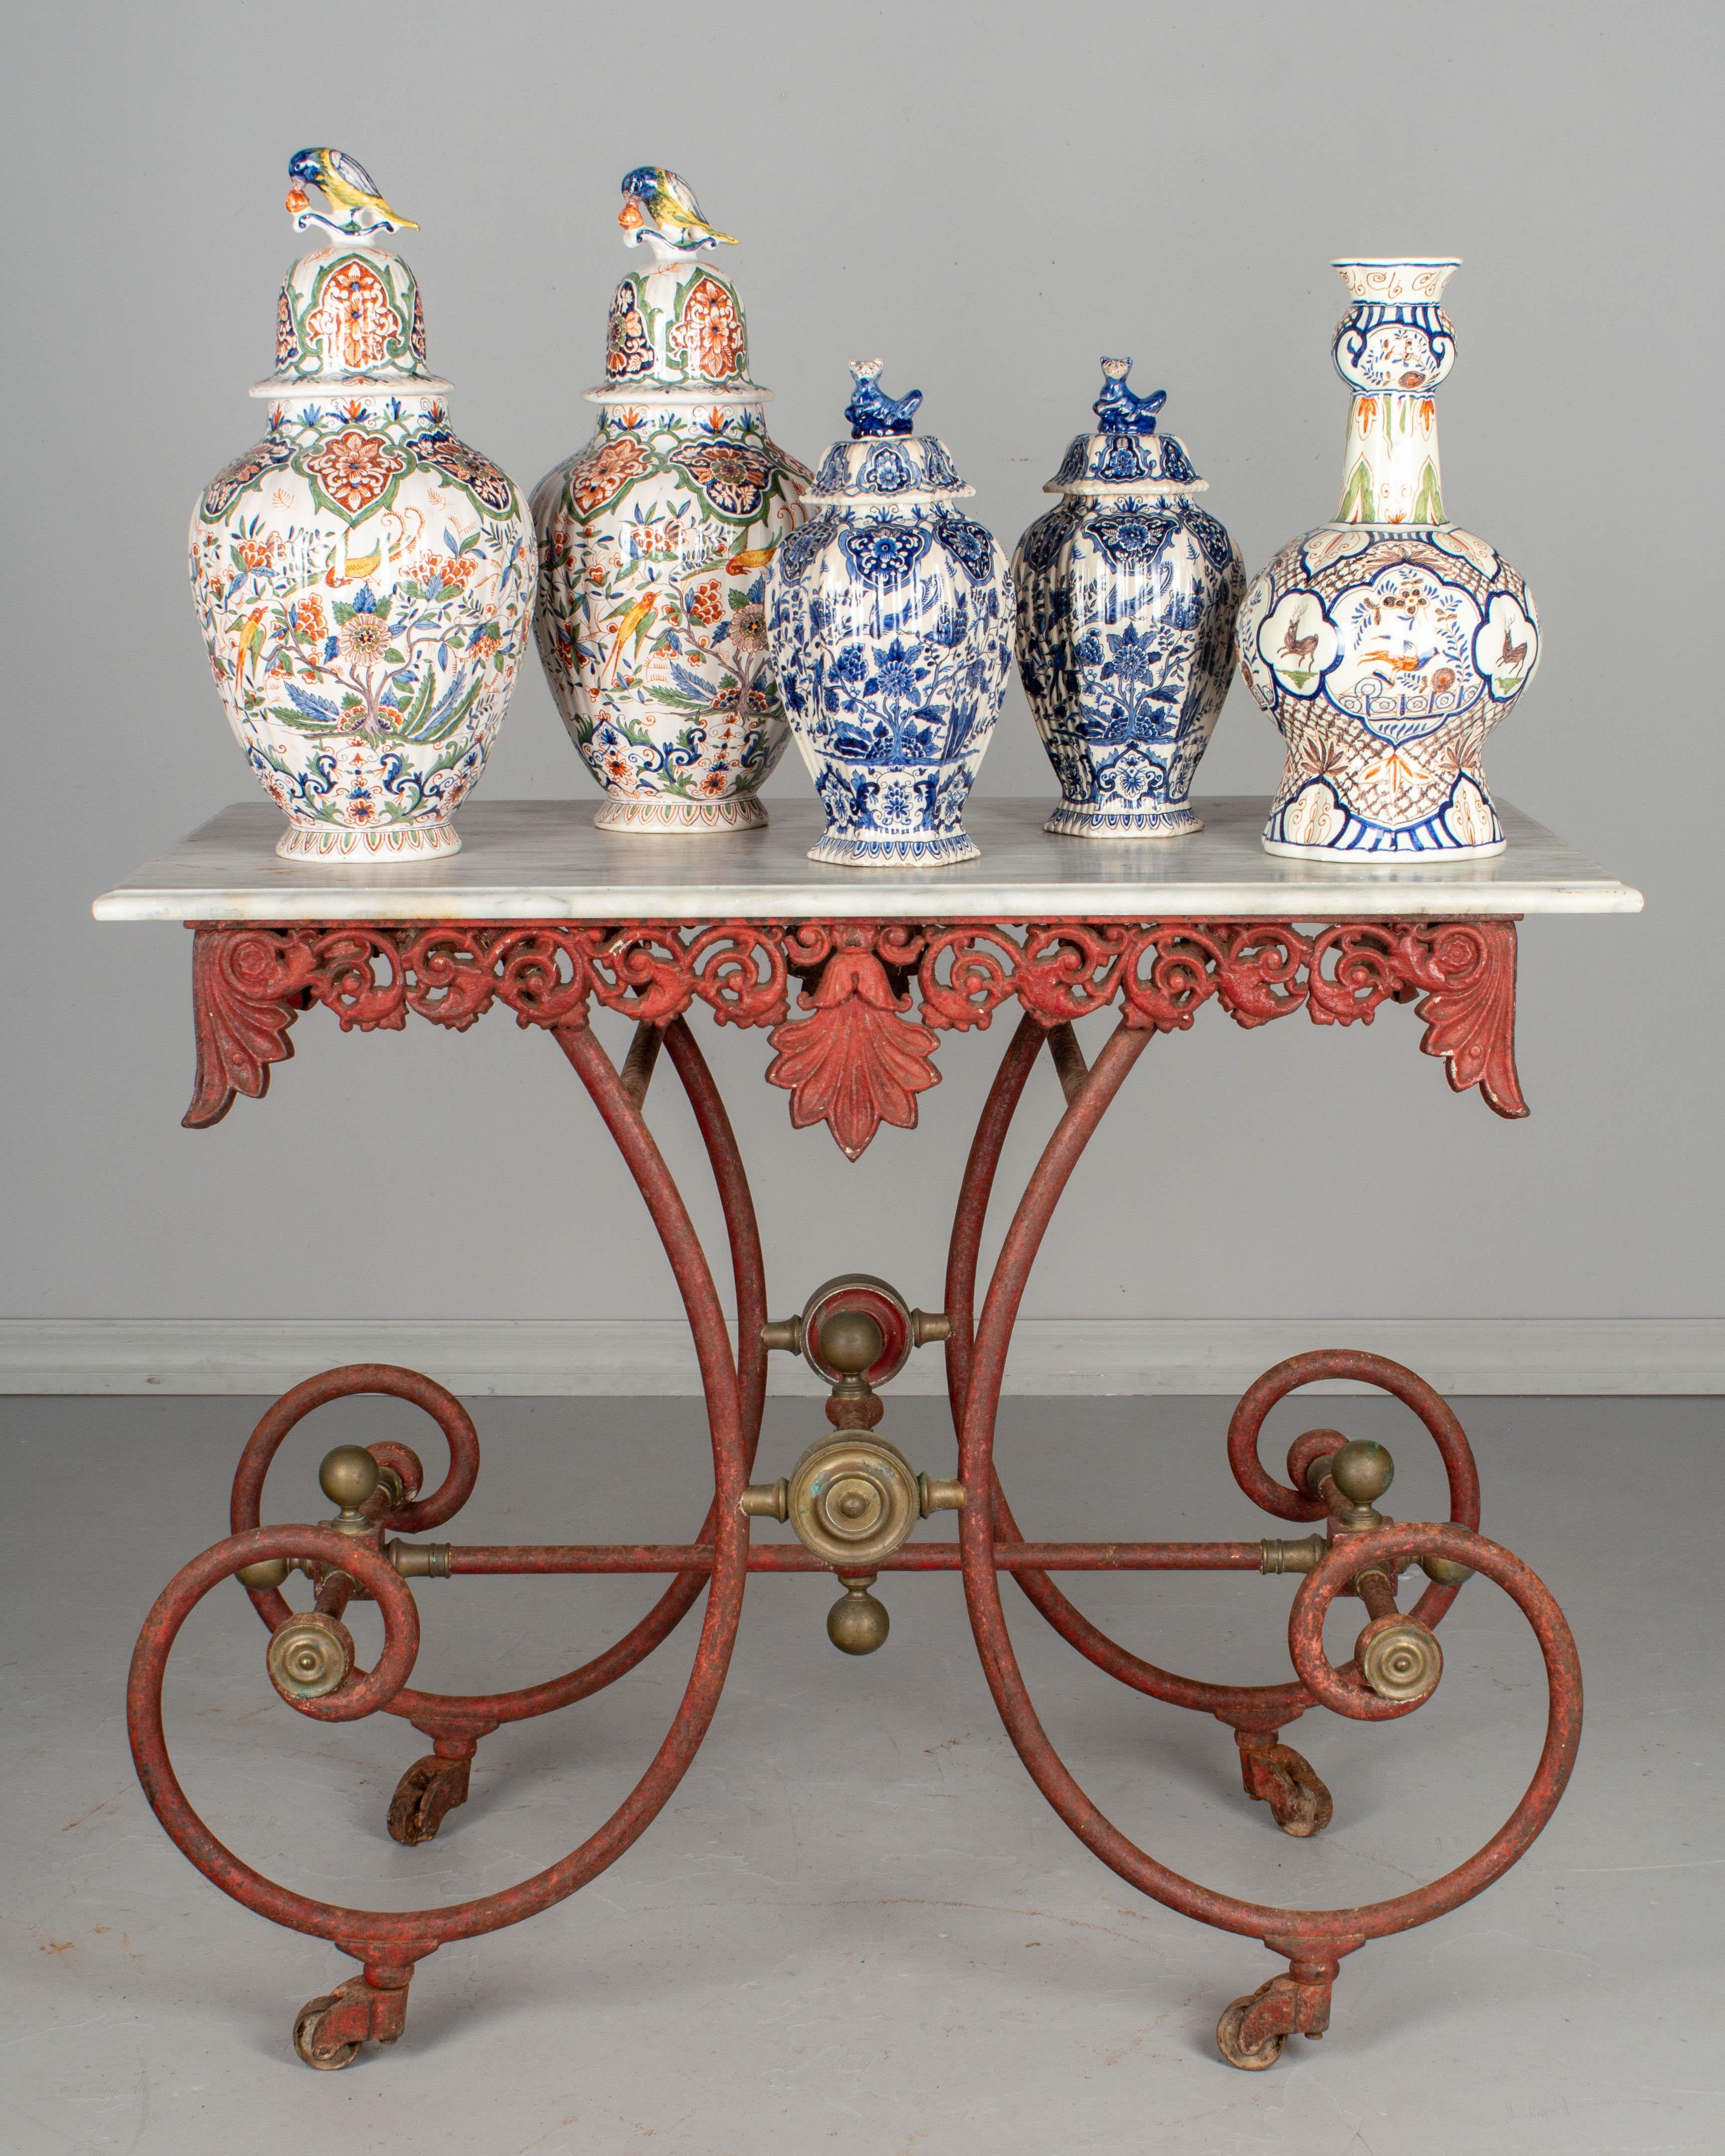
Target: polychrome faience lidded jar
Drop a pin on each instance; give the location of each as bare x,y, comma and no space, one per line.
363,579
653,540
1388,643
889,615
1126,597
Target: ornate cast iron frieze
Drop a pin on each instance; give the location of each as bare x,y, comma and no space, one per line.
856,1044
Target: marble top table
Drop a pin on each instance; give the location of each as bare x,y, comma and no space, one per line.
543,860
545,914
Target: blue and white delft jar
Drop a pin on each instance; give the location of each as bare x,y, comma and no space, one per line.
888,616
1386,643
1126,597
363,579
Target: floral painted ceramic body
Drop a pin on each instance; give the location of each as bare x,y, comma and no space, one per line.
654,542
888,617
1126,598
363,579
1387,643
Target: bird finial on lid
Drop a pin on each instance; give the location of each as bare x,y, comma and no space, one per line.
1120,411
348,187
660,210
872,411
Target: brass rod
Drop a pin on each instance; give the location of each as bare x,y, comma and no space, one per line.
914,1556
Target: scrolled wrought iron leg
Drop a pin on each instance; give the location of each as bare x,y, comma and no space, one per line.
388,1943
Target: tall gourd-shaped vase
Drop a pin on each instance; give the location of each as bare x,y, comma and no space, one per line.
1388,643
655,537
1126,595
890,619
363,579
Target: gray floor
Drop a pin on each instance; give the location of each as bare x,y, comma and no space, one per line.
857,1928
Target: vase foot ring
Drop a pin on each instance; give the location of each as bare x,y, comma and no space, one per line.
682,818
1083,823
1427,857
370,849
898,854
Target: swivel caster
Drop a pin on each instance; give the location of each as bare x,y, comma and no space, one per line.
426,1796
1253,2032
308,2027
1228,2036
328,2031
1277,1775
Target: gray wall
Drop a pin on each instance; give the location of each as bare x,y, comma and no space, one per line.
990,196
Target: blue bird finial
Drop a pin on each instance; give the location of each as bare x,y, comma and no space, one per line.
870,410
1119,410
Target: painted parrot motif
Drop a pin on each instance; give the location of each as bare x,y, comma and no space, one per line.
661,209
348,187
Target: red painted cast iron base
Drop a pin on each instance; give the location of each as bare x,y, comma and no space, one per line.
840,1068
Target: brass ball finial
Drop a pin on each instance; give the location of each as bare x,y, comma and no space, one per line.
857,1623
1362,1472
850,1342
348,1476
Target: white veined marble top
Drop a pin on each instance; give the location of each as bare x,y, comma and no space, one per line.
526,860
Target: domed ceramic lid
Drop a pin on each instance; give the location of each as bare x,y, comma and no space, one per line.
1128,456
676,328
883,465
349,315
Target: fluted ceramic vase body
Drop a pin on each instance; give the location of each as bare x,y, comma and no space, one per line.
1126,597
889,615
653,541
364,580
1387,643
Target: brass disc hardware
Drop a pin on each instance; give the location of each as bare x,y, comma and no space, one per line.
857,1623
1398,1658
309,1655
853,1499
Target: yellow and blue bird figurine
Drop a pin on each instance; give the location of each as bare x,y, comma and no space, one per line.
348,187
661,209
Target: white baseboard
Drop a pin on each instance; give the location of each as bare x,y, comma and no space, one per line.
546,1356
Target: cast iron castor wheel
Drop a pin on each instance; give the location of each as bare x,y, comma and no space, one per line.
1277,1775
1228,2043
425,1796
306,2034
328,2031
1295,1794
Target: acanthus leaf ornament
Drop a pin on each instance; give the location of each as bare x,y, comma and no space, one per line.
857,1061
